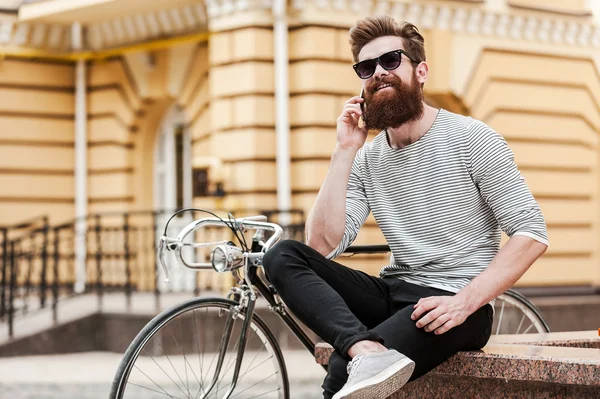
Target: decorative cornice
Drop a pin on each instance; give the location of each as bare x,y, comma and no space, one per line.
141,27
221,8
472,19
151,25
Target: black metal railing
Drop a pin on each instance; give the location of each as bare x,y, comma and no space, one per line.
39,264
24,243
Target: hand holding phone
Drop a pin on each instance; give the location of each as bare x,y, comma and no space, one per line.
351,132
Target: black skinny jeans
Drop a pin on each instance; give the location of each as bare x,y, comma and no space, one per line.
344,306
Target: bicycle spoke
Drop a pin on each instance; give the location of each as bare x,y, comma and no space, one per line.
255,356
500,321
184,357
154,382
258,365
164,372
262,394
235,358
255,384
204,345
217,352
243,374
154,390
187,381
528,328
248,369
198,345
231,363
521,323
173,367
201,359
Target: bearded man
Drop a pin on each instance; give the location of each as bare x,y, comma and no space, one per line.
441,187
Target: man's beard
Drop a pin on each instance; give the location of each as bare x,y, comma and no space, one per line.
392,108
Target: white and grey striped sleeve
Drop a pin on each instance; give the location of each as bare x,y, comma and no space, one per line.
357,207
494,171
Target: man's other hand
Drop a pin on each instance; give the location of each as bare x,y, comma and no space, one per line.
441,313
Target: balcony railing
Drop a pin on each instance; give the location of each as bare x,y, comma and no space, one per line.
39,267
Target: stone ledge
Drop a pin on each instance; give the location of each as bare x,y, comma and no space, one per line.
569,339
504,359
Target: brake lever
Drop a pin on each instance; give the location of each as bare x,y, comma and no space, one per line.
161,256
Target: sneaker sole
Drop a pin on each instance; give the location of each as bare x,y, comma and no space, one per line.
381,385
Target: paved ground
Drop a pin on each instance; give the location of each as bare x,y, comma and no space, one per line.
88,376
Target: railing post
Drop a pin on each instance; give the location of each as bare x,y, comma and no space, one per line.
4,271
29,271
44,254
55,282
99,285
127,263
155,247
11,292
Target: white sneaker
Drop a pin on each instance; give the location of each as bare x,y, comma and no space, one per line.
376,375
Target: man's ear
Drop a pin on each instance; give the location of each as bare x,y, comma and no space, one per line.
422,72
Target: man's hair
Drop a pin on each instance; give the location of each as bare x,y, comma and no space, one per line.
371,28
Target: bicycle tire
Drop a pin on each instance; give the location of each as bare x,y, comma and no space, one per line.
523,301
162,319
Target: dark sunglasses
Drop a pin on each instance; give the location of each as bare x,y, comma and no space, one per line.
388,61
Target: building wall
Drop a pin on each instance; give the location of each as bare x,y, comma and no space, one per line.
242,115
113,105
36,140
549,114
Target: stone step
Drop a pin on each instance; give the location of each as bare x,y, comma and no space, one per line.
504,368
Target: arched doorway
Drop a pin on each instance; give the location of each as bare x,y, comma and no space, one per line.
173,191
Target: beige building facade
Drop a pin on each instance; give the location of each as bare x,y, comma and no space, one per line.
181,102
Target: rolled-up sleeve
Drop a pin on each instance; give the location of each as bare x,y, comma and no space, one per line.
501,184
357,208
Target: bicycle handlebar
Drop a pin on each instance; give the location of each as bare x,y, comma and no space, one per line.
251,222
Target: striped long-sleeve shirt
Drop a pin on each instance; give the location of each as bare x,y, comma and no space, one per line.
441,202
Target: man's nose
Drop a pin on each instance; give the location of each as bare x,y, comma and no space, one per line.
379,71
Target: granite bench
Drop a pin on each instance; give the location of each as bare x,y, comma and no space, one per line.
552,365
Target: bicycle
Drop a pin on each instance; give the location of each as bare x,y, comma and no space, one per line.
245,356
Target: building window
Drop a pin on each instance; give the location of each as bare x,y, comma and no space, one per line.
200,182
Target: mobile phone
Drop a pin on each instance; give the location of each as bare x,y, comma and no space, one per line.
362,95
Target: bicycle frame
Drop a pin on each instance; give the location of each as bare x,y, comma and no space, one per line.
244,294
246,300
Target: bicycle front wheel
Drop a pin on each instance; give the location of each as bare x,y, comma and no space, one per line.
176,356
